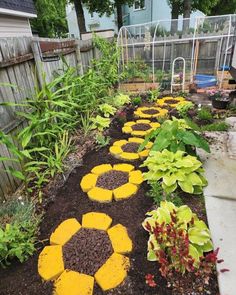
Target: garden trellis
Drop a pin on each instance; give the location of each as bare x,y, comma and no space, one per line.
205,43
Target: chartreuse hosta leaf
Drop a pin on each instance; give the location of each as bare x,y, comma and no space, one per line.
175,169
184,219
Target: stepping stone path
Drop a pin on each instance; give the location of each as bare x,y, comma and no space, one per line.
220,199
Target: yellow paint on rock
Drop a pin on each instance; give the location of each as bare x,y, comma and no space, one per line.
143,121
127,129
96,220
135,139
50,263
100,195
123,167
113,272
100,169
64,231
136,177
88,182
141,133
120,239
129,156
115,150
125,191
120,142
74,283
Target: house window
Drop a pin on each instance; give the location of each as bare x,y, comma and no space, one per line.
140,4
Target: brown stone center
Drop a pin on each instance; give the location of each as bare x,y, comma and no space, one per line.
151,112
141,127
130,147
112,179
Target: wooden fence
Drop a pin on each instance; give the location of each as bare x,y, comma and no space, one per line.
22,63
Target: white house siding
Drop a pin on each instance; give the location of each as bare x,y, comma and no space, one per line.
13,26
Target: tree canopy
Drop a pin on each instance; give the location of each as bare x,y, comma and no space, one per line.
51,20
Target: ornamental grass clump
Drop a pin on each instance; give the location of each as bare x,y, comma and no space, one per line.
178,240
175,170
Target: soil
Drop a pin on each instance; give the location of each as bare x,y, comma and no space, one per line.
171,101
87,251
141,127
112,179
131,147
151,112
71,202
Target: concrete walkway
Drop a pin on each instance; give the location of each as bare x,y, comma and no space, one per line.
220,199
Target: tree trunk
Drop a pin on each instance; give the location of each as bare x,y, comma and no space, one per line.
80,16
174,18
187,13
119,15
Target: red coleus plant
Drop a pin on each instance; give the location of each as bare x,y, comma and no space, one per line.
150,280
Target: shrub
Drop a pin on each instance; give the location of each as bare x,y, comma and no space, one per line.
136,101
178,239
18,230
204,114
175,169
183,108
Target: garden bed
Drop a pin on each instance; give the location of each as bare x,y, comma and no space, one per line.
71,202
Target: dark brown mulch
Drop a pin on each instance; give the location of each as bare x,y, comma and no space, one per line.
151,112
112,179
171,101
140,127
131,147
87,251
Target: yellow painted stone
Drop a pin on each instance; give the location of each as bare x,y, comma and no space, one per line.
129,156
125,191
144,154
100,169
140,133
96,220
155,125
50,263
120,239
88,182
113,272
143,121
126,129
123,167
115,150
135,139
64,231
120,142
74,283
149,145
129,123
100,195
136,177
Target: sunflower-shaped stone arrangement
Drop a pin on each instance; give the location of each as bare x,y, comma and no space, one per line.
140,128
170,101
106,183
128,149
150,112
78,255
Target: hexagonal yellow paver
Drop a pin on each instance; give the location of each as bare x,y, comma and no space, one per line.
136,177
64,231
120,142
88,182
135,139
123,167
100,195
130,156
101,169
96,220
125,191
50,262
115,150
74,283
113,272
120,240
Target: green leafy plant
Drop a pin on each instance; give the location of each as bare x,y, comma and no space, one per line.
153,95
102,141
136,101
107,110
216,126
178,239
86,123
183,108
175,169
204,114
18,230
120,100
100,123
174,136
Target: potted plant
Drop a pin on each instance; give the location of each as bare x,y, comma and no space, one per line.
219,99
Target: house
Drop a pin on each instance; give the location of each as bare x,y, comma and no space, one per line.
143,11
15,16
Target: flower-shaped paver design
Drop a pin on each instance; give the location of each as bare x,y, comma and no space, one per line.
140,128
128,149
150,112
106,182
170,101
78,255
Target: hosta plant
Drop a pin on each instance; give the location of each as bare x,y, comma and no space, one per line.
120,100
107,110
178,239
100,123
175,169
